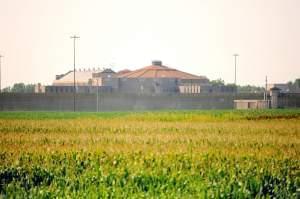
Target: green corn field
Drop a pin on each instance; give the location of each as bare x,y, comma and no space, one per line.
163,154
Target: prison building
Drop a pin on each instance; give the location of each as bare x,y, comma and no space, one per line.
87,81
155,78
158,78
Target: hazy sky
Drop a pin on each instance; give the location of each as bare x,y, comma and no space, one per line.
196,36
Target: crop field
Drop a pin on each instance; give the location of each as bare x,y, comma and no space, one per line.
169,154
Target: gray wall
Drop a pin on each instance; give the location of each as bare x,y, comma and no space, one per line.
148,85
79,89
291,100
117,101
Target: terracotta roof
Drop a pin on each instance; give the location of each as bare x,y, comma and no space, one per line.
155,71
121,72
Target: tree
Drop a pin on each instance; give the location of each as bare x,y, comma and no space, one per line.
250,89
297,83
18,88
220,86
231,87
6,89
29,88
294,86
22,88
217,82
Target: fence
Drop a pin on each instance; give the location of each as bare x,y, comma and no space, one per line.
117,101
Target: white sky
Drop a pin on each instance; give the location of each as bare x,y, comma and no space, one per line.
196,36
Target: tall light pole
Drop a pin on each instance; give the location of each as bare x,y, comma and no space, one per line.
0,73
266,91
235,57
74,86
97,95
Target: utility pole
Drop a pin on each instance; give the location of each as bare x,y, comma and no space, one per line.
0,73
235,57
74,85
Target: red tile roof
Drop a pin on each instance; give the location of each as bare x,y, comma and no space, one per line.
121,72
155,71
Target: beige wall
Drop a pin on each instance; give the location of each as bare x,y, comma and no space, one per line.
251,104
190,88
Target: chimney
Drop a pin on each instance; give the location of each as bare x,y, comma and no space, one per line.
157,63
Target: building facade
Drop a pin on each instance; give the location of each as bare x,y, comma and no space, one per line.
153,79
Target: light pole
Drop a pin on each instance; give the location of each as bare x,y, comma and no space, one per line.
97,95
266,91
0,72
74,86
235,57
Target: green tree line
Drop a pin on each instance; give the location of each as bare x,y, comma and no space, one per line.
19,88
232,87
293,86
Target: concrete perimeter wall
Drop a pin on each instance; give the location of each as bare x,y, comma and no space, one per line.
290,100
117,101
